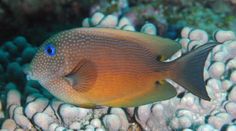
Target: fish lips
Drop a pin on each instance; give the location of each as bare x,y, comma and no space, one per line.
28,71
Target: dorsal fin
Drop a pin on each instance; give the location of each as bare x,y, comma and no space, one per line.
158,46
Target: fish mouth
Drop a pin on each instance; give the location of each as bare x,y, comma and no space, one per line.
29,77
28,71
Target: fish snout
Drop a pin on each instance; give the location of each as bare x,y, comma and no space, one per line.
29,76
28,71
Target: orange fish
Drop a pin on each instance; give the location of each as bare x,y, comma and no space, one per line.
93,67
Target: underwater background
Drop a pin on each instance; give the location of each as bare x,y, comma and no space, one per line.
25,24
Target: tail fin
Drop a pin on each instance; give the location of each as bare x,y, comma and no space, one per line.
189,70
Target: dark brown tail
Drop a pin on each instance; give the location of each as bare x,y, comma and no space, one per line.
188,70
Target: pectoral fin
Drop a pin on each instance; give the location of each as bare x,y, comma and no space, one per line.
83,76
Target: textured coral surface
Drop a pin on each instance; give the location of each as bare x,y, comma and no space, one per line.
25,105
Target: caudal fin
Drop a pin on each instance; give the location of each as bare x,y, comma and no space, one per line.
189,70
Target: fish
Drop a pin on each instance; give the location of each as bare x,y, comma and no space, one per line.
94,67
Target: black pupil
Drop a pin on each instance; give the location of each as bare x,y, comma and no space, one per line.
49,50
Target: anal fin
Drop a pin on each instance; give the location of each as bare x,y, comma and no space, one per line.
162,90
91,106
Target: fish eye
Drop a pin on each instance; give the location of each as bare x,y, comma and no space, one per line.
50,49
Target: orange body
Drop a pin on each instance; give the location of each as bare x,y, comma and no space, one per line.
125,66
100,66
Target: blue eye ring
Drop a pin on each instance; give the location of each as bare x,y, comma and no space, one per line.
50,49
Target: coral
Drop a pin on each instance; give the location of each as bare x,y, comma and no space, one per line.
43,18
100,20
166,14
110,6
25,105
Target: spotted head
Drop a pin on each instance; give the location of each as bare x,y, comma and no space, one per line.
56,62
50,61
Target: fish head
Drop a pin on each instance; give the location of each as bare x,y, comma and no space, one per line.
52,63
49,61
